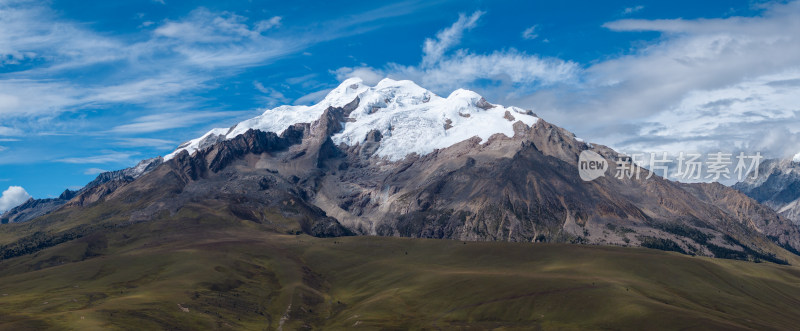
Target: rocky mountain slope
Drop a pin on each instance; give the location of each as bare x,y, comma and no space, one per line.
397,160
34,208
37,207
777,185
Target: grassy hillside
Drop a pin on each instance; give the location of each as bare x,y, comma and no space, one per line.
208,273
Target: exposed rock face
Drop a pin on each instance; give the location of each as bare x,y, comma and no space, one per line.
127,174
92,194
526,188
231,173
35,207
777,186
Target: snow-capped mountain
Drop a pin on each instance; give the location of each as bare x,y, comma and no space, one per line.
409,118
461,168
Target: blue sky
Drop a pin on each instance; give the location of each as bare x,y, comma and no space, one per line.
88,86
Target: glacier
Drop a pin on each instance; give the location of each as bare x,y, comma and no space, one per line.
411,119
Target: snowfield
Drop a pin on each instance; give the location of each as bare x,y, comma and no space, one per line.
410,118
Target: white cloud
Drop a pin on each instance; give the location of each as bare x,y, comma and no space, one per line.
146,89
510,67
434,49
12,197
30,97
6,131
304,79
260,87
517,72
758,114
706,85
312,97
531,33
205,26
631,10
165,121
171,61
147,142
32,32
42,98
225,40
94,171
265,25
370,76
271,96
110,157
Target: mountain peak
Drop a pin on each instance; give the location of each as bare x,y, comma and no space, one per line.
412,119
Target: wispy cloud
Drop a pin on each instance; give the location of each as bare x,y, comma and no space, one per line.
443,70
203,26
147,89
146,142
172,61
31,32
301,79
165,121
6,131
111,157
270,96
94,171
531,33
312,97
434,48
265,25
631,10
